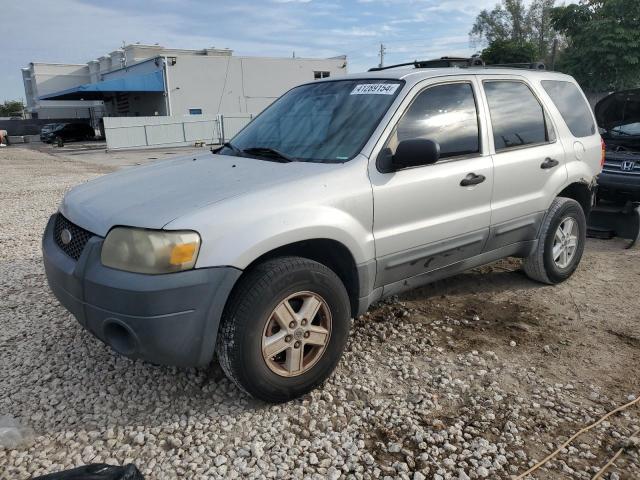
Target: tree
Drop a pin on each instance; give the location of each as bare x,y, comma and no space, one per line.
507,21
603,43
541,28
512,24
11,108
510,51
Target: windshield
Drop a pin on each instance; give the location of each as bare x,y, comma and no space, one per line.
632,129
323,122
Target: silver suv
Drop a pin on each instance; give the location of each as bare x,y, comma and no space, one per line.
342,192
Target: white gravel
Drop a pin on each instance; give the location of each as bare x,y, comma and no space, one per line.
417,396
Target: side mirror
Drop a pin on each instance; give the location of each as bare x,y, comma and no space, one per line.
415,152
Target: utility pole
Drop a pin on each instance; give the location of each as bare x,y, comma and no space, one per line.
554,50
382,50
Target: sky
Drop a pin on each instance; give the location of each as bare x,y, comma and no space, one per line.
76,31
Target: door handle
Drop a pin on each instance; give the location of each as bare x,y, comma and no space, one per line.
472,179
549,163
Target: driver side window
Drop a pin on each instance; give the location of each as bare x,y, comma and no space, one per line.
446,114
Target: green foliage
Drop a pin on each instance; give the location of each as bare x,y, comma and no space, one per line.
11,108
510,51
603,43
512,22
507,21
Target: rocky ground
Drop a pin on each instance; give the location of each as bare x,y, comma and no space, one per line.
475,377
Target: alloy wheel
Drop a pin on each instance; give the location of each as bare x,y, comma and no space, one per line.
296,334
565,242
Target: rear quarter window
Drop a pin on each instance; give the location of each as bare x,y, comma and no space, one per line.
572,106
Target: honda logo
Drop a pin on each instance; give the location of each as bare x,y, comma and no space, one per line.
627,165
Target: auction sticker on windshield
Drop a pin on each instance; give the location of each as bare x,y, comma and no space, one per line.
375,89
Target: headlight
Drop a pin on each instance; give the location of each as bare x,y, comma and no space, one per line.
150,251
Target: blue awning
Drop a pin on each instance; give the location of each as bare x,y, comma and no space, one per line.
148,82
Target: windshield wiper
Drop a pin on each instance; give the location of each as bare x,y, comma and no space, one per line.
269,152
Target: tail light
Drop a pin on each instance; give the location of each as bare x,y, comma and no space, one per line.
604,147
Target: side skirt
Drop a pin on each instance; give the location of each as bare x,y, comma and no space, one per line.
520,249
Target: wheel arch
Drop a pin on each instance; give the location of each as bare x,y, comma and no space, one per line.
580,191
329,252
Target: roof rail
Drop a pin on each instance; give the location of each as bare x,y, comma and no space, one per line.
442,62
460,62
531,65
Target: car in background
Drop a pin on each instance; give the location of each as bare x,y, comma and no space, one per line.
618,116
67,132
46,129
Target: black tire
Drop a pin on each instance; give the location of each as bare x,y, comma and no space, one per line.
260,290
540,265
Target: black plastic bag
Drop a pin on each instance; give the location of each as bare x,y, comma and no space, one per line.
96,471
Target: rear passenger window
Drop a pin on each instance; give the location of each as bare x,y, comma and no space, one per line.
516,115
572,106
443,113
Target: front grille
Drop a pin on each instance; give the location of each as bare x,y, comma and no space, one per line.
614,161
79,237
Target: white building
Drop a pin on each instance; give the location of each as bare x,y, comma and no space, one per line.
145,80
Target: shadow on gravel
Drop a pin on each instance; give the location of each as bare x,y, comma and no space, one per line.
485,309
491,279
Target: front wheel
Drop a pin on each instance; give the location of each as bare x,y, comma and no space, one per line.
560,244
284,328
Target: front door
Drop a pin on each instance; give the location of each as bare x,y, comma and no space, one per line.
431,216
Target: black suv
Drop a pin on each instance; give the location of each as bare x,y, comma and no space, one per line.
67,132
618,117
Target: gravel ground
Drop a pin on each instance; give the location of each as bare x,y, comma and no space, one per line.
475,377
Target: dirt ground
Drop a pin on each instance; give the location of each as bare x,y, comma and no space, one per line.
557,357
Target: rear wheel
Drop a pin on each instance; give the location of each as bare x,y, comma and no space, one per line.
561,243
284,328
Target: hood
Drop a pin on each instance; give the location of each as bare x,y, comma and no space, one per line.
619,108
153,195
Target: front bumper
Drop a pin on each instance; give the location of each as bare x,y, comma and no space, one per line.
619,184
169,319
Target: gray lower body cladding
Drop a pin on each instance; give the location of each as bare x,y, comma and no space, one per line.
167,319
508,239
520,249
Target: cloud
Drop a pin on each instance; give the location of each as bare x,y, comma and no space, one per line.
75,31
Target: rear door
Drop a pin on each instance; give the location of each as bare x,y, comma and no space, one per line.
528,159
424,219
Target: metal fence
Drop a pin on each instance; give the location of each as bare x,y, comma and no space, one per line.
152,132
